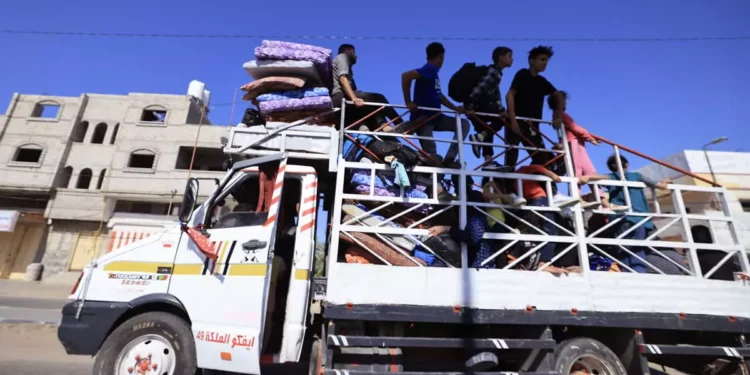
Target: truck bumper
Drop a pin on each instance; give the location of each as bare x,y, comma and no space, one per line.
86,334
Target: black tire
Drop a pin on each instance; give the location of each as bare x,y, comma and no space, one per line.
570,351
169,327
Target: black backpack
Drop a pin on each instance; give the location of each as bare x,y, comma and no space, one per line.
253,117
464,80
408,157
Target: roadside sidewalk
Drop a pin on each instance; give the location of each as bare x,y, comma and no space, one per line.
32,302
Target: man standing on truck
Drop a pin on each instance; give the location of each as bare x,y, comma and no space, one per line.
344,87
638,202
427,93
526,99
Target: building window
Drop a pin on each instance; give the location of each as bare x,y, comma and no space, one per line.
206,159
84,179
100,131
142,159
745,205
114,134
64,179
30,153
154,114
46,109
79,132
134,207
100,182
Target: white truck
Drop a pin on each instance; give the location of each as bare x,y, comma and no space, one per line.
235,291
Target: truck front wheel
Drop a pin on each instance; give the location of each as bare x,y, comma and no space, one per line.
155,342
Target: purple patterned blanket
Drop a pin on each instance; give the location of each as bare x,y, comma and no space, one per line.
285,105
278,50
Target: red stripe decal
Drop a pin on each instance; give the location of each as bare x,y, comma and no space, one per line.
307,226
309,199
270,221
308,211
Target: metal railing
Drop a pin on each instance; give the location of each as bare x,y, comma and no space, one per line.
427,208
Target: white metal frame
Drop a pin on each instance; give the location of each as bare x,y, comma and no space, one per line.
337,272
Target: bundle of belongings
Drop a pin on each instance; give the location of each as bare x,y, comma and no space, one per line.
291,81
399,181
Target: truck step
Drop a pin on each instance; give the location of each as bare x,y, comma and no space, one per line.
430,342
708,351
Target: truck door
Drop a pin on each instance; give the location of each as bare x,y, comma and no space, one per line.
224,264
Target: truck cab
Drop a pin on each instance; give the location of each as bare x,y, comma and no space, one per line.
209,292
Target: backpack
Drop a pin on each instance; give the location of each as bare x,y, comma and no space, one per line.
408,157
351,151
253,117
464,80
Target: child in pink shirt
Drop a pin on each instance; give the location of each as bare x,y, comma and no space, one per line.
577,137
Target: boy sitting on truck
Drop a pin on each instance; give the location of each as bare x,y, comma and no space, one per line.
536,195
427,93
639,204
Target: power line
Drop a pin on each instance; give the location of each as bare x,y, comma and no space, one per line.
360,37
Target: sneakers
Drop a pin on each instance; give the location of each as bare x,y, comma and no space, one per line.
476,149
587,204
561,200
517,201
497,167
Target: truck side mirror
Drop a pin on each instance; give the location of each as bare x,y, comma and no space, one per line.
188,200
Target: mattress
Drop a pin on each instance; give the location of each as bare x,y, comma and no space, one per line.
289,68
306,138
321,103
373,220
293,94
278,50
295,46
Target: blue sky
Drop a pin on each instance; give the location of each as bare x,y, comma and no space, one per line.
656,97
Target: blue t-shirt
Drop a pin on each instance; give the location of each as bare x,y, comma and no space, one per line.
427,90
638,200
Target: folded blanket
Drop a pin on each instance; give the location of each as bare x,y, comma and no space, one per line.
294,94
271,84
318,102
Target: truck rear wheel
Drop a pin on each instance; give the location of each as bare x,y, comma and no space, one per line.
584,355
156,342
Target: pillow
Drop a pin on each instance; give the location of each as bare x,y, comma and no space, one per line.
271,84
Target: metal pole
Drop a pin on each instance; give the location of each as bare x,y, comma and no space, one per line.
710,168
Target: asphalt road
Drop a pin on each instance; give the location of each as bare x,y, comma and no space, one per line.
30,309
27,349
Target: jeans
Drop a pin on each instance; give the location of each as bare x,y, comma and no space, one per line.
495,124
536,140
548,251
638,234
441,124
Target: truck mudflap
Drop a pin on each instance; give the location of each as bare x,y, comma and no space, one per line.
86,334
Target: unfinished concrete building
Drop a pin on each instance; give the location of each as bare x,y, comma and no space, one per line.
84,175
